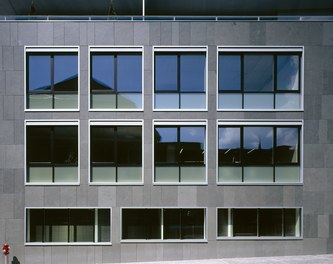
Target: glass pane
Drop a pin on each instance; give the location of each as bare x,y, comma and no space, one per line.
39,144
166,76
40,101
245,222
192,174
230,174
229,145
103,101
39,73
129,174
230,101
192,101
258,101
66,101
270,222
286,150
129,101
56,225
103,174
167,101
172,223
35,225
82,223
129,145
287,174
288,72
192,223
141,224
40,174
258,174
192,145
66,145
258,73
222,222
192,73
166,174
287,101
65,73
102,144
258,145
292,222
104,225
129,73
230,72
65,174
166,145
102,72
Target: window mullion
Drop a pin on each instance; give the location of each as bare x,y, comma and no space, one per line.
179,154
274,150
275,80
115,63
115,150
242,79
52,150
52,79
178,80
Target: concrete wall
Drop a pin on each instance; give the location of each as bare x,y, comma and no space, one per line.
315,196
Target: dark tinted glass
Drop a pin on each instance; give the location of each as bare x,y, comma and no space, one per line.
65,145
129,73
192,144
172,223
258,145
270,222
290,221
288,72
39,72
141,224
82,223
193,223
56,225
222,227
166,76
102,72
230,72
39,144
229,145
104,225
35,224
129,145
258,73
65,73
286,145
245,222
166,146
102,144
192,73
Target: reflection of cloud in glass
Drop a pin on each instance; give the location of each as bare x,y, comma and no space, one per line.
229,138
192,134
287,137
258,137
287,72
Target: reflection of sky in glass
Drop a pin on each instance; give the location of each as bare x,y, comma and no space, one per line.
287,72
39,72
192,134
258,73
229,72
229,138
287,136
166,73
192,73
258,136
103,70
166,134
65,67
129,73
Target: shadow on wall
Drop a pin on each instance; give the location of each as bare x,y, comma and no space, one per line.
15,260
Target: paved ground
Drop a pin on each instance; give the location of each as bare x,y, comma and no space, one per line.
317,259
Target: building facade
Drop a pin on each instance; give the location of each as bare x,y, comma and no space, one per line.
126,141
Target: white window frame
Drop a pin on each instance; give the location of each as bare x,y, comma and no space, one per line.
116,49
300,237
47,50
263,122
162,240
53,122
184,49
66,243
180,122
124,122
259,49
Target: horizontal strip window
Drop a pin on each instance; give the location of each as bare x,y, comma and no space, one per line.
52,80
116,154
179,154
63,225
179,80
163,224
52,154
253,223
259,80
259,154
116,80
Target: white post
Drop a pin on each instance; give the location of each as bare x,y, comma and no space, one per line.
6,259
143,8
